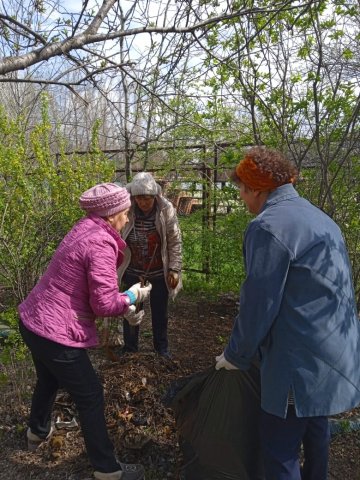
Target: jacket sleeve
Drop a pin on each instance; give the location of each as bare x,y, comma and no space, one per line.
173,239
105,298
267,264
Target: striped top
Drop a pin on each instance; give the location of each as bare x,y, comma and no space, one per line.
145,245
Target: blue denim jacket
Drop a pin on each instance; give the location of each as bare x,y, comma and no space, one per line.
297,309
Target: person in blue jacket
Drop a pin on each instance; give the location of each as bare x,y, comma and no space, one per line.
297,311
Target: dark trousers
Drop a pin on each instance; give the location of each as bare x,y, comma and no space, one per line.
159,297
281,442
69,368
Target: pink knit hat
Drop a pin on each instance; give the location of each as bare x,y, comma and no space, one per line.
105,199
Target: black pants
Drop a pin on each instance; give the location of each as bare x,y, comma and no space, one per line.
69,368
159,297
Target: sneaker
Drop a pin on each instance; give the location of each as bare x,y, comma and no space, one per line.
129,471
34,441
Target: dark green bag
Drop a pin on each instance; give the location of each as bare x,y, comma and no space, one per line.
216,415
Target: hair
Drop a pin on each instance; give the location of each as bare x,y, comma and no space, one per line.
270,163
274,162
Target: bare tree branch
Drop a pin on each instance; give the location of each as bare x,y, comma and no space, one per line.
93,34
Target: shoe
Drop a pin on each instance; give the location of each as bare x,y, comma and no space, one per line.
126,349
109,476
165,355
129,471
33,441
132,471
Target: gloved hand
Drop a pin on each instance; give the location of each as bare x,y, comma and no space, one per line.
173,279
134,317
221,362
141,293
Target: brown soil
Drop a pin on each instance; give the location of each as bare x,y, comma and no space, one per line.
142,429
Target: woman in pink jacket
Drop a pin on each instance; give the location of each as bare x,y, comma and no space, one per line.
57,323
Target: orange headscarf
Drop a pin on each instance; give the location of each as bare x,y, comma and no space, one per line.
251,175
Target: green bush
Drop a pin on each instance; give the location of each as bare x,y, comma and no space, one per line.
39,193
212,252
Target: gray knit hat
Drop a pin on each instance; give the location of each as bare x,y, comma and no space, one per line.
105,199
143,183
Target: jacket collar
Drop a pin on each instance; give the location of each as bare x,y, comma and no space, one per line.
110,230
284,192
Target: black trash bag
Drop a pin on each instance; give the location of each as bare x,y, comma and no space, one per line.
175,387
216,415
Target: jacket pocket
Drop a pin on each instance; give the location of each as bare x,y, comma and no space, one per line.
81,327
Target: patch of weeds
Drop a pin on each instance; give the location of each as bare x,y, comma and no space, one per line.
222,340
345,426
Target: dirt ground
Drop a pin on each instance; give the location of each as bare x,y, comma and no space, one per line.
142,428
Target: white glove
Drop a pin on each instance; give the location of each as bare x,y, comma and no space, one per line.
133,317
221,362
141,293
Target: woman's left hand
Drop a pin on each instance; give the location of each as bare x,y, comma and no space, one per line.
173,279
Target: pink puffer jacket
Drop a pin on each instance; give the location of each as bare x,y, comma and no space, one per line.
79,284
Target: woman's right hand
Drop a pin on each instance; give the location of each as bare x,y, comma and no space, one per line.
173,279
134,317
